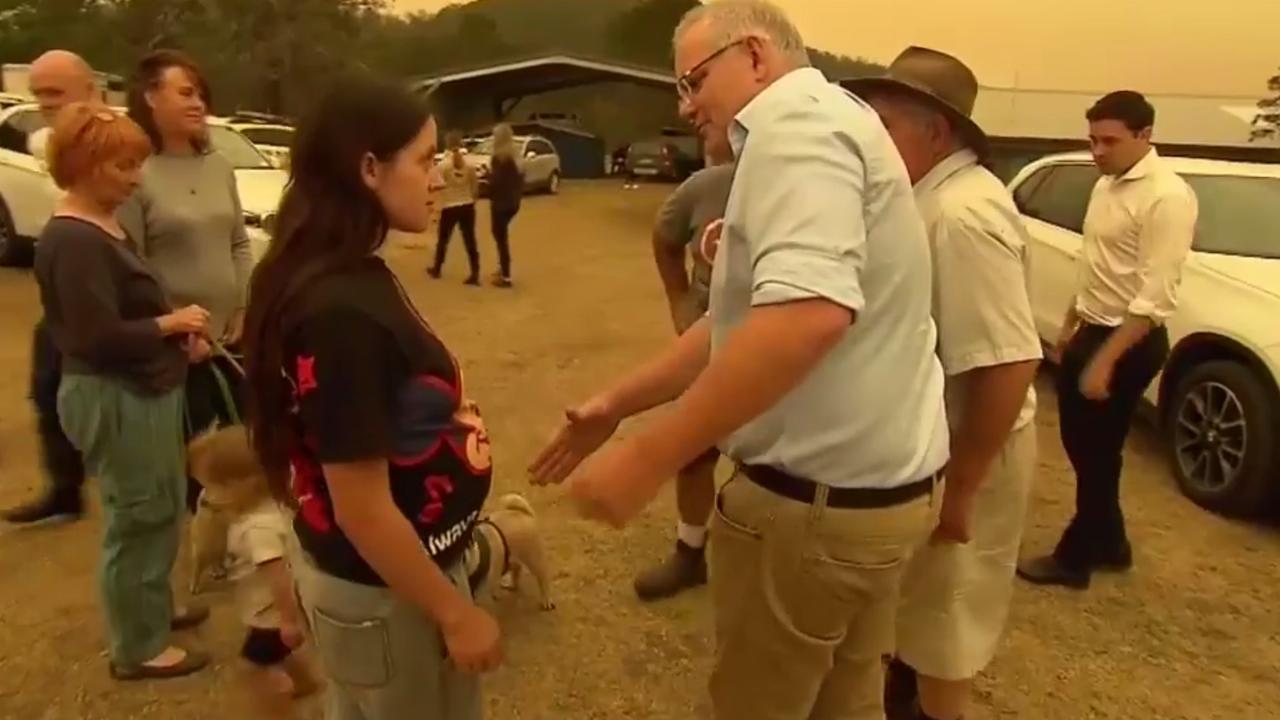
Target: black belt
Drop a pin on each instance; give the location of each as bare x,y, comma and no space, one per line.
794,488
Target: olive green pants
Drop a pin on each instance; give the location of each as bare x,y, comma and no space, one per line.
132,444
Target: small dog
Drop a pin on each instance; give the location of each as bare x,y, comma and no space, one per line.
503,545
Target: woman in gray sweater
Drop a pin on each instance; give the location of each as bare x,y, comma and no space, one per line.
186,218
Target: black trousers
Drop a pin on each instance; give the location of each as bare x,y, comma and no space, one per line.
500,219
62,461
1093,434
464,217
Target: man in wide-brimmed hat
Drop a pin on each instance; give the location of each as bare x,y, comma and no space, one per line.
956,590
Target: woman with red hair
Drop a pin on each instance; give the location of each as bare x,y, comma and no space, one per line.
125,354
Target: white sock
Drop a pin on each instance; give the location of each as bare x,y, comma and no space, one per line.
695,536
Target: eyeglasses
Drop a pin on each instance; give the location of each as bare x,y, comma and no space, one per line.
690,83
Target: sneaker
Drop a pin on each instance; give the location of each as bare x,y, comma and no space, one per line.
48,510
499,280
471,280
434,272
683,569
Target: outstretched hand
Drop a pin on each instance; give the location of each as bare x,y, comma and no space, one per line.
586,428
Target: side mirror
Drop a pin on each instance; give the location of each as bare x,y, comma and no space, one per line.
530,155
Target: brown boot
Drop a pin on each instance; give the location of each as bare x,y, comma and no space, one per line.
685,568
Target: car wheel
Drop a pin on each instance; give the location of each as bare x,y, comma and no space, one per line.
13,249
1222,426
553,183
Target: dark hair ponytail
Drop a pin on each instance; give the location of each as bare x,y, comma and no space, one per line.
329,220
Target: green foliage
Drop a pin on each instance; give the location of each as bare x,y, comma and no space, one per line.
1268,122
276,54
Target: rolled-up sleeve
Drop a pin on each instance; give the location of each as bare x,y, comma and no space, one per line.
1163,247
801,212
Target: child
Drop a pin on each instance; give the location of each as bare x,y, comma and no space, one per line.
257,535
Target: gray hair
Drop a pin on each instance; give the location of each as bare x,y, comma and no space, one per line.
733,20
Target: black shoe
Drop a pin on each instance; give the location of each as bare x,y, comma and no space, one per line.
434,272
683,569
49,510
472,280
1119,561
1048,571
192,663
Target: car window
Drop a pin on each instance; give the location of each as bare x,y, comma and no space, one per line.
269,136
1027,189
15,130
236,149
541,147
1238,215
1063,197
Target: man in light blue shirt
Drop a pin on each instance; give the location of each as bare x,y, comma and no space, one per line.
815,372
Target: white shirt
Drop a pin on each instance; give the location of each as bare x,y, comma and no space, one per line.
821,207
1137,234
980,269
257,537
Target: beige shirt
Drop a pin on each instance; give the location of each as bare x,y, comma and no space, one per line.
460,185
980,269
257,537
1137,234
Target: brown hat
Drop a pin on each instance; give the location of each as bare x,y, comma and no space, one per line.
938,79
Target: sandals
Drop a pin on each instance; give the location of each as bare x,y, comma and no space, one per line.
192,663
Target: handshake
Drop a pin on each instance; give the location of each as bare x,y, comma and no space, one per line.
611,487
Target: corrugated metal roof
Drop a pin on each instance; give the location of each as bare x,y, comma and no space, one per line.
1181,119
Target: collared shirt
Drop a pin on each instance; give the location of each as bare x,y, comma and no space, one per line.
980,268
821,207
1137,234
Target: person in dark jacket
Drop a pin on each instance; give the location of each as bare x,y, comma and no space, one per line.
506,187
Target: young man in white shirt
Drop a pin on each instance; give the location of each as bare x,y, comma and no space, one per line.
1137,234
957,587
815,372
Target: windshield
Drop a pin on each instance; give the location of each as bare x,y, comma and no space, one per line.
236,149
1238,215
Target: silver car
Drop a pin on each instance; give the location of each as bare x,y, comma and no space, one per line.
538,159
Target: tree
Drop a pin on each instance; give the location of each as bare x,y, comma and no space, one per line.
642,34
1267,123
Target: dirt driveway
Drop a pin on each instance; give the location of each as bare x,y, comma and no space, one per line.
1193,633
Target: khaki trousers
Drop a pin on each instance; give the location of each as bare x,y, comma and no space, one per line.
804,599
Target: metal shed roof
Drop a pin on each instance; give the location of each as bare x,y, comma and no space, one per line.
540,73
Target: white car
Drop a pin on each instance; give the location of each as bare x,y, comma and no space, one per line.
539,160
27,193
1218,396
273,140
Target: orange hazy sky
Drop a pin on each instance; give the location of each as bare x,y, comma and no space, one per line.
1209,47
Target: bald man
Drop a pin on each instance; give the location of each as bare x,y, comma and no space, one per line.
58,78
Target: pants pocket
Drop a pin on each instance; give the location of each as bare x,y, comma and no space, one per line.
355,652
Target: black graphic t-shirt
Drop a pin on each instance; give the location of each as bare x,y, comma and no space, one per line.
372,381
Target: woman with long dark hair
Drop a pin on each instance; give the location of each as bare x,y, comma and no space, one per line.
359,415
186,220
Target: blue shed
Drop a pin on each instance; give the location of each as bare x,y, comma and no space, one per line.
582,154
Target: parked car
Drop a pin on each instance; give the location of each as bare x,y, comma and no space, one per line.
539,160
671,157
272,136
1218,396
27,193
